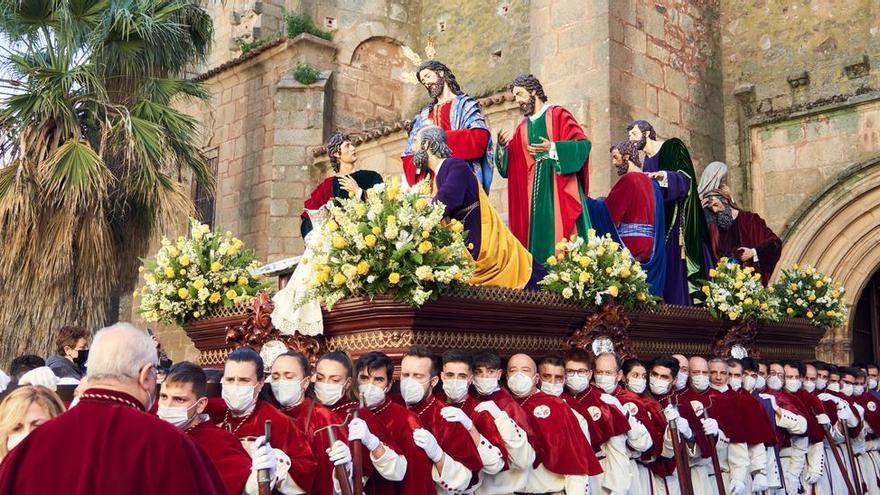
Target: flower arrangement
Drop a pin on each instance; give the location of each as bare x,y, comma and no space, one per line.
190,277
395,242
811,295
736,293
595,271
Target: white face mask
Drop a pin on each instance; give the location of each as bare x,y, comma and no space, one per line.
700,382
735,383
288,392
681,380
636,385
329,393
809,386
577,383
761,383
486,386
659,386
872,383
834,387
749,382
720,388
847,389
239,399
14,439
372,394
792,384
455,390
774,382
520,384
552,388
606,382
858,390
821,383
412,390
177,416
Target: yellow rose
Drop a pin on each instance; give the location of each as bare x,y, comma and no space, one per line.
425,234
811,297
613,290
370,240
583,277
809,314
391,219
332,225
706,290
625,273
134,294
748,300
819,283
641,296
216,266
738,284
457,227
322,277
183,260
196,314
339,279
552,261
231,294
338,242
793,286
789,311
182,293
151,278
199,284
421,203
600,251
360,209
830,313
712,272
740,276
172,251
732,315
584,261
169,272
214,298
182,271
376,230
424,247
608,270
764,307
363,268
243,280
394,277
835,294
795,267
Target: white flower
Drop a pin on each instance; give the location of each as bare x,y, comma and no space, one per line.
567,293
598,298
204,293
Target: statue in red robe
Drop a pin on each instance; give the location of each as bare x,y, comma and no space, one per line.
742,235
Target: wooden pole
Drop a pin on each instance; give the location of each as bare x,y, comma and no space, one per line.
264,481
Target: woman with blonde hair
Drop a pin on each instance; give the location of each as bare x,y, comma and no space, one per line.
22,411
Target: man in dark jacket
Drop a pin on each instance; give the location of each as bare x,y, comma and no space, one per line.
72,345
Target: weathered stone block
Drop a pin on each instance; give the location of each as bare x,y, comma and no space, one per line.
669,107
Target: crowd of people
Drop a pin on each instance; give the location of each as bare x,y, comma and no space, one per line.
459,422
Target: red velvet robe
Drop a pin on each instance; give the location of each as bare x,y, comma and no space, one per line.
225,452
452,437
751,231
285,436
467,144
792,403
722,408
106,445
560,443
760,431
520,167
604,421
656,425
400,423
666,467
872,411
483,421
508,404
631,201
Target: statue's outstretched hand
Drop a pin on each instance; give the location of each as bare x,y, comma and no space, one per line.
502,138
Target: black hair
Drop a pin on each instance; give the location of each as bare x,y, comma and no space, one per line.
458,356
529,83
631,363
187,372
375,360
735,362
248,355
644,126
798,365
628,150
334,144
579,356
487,358
833,369
213,375
421,351
340,357
23,364
301,359
552,361
749,364
666,362
436,66
849,370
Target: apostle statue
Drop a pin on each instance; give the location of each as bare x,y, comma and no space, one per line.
633,213
742,235
545,162
688,249
501,261
456,113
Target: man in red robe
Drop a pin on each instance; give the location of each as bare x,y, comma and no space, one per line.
631,201
241,413
456,113
448,431
760,433
487,375
182,402
742,235
508,457
566,457
108,443
546,164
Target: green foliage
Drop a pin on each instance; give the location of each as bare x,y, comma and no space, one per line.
298,24
247,46
306,74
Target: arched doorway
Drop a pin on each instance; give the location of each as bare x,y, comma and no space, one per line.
866,323
838,232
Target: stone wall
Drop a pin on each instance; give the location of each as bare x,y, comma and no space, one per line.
241,20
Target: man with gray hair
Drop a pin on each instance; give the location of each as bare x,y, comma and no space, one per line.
108,442
501,261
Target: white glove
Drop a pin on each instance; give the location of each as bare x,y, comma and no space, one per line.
812,478
737,487
771,399
861,410
710,426
823,419
456,415
825,397
358,430
263,457
426,441
339,453
760,483
612,401
490,407
671,413
844,412
42,376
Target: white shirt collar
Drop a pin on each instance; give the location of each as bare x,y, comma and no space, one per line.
537,116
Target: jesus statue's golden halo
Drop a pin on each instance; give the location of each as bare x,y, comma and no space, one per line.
410,76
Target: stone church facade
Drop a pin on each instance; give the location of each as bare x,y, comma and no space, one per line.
786,93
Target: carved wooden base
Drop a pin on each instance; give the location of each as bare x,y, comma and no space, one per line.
610,323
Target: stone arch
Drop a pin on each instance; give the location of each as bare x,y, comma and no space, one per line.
371,86
838,232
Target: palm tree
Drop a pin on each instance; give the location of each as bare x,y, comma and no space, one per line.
91,153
